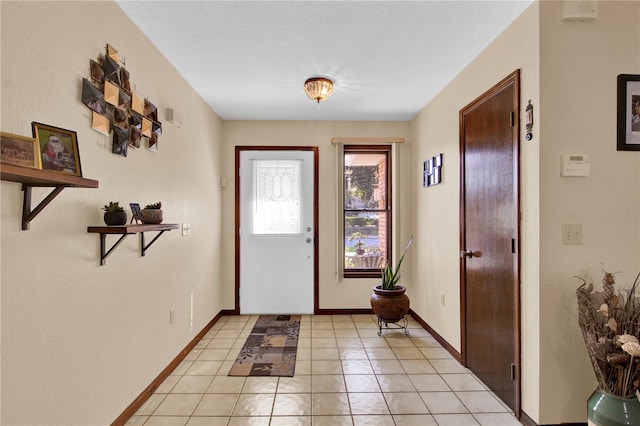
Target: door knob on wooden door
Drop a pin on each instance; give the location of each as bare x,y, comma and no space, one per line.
466,253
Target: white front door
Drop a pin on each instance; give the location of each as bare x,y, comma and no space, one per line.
276,232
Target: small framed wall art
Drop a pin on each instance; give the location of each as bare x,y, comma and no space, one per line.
432,174
628,112
58,148
19,150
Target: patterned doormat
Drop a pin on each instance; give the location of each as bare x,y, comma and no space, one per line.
270,349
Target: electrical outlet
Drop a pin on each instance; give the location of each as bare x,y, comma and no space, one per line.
186,229
572,234
442,299
172,315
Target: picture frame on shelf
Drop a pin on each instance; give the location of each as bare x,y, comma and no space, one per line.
628,128
19,150
136,212
58,148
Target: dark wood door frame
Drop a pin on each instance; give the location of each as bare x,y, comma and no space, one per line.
512,79
238,150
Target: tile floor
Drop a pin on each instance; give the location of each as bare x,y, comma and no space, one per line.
345,375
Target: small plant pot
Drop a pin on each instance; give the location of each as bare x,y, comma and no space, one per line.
151,216
115,218
360,251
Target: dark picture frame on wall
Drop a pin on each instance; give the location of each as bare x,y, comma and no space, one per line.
628,112
58,148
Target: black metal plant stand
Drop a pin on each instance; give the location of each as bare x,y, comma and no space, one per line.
403,326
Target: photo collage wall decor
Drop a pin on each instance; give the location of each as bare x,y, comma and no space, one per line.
117,107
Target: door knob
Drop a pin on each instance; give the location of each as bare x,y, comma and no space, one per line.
309,240
466,253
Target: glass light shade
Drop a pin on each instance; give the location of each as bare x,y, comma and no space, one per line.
318,88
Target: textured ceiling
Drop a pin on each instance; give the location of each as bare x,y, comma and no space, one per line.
249,59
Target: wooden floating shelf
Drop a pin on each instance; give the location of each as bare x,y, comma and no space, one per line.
126,230
30,178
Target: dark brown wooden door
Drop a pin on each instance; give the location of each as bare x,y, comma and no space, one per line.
489,239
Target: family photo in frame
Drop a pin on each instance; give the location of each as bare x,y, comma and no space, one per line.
628,112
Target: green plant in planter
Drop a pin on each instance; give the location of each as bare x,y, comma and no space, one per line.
154,206
390,277
113,207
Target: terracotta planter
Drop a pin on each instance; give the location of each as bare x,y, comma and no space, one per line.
151,216
390,305
115,218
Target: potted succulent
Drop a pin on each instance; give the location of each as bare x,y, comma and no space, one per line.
389,301
114,215
152,214
359,245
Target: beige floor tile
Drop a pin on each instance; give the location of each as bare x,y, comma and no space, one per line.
253,405
167,421
324,353
216,404
250,421
202,343
136,421
330,383
222,343
322,334
332,421
303,367
203,368
356,366
463,382
182,368
408,353
362,383
297,384
347,332
386,366
405,403
374,420
417,366
455,420
443,403
320,318
367,332
178,405
497,419
444,366
436,353
226,384
353,353
367,403
414,420
295,404
167,384
224,368
341,318
429,383
193,355
303,354
150,405
400,342
349,342
260,385
290,421
192,384
481,402
425,341
330,404
395,383
380,353
323,342
228,334
208,421
304,342
321,325
215,354
344,325
326,367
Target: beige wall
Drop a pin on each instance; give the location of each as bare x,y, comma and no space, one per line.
334,293
80,341
578,69
568,70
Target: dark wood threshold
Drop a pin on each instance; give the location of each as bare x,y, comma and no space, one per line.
436,336
142,398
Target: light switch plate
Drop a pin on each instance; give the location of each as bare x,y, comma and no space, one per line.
572,234
186,229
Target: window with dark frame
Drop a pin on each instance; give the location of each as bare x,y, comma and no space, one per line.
367,209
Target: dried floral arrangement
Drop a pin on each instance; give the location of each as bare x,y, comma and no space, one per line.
610,324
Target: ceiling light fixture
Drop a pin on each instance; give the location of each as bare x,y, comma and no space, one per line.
318,88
